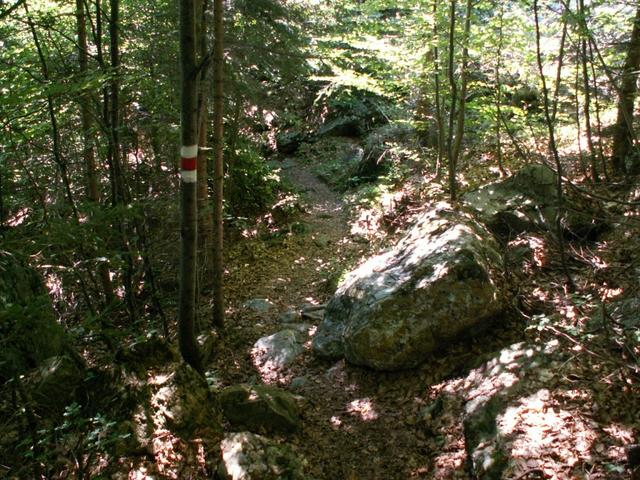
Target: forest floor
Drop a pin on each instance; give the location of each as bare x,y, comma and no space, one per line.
357,423
573,417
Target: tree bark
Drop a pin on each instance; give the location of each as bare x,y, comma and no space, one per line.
93,193
463,87
503,173
218,172
205,218
587,99
55,133
554,150
437,87
623,136
188,184
454,99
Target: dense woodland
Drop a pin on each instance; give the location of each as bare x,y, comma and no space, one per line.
302,239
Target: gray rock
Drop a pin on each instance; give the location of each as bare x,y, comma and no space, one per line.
288,142
527,202
258,305
184,398
246,456
290,316
438,283
316,313
524,202
281,349
260,407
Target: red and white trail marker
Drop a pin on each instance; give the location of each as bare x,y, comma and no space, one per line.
188,163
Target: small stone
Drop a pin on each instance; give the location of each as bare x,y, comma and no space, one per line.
359,238
258,305
290,316
279,350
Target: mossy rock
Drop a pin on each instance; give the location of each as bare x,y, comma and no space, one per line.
29,333
260,407
55,385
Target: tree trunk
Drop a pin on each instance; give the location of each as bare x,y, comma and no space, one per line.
118,189
454,99
55,134
587,99
437,87
463,87
85,106
205,219
554,150
623,135
93,192
503,173
218,171
188,190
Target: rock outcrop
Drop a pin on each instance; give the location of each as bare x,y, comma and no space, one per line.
528,202
439,283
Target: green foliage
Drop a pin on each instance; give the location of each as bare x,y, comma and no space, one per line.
251,184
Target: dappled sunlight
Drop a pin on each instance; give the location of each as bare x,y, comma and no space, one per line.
363,409
546,437
18,218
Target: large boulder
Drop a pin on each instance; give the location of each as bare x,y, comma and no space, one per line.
524,202
29,333
439,283
528,202
246,456
260,407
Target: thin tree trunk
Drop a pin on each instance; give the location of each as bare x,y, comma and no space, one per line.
218,172
623,136
503,173
556,93
93,193
583,168
454,100
587,100
463,87
205,219
598,121
554,150
437,87
188,187
119,192
55,133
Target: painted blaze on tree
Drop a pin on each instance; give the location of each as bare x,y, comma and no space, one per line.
188,163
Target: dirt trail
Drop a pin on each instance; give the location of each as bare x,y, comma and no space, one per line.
357,424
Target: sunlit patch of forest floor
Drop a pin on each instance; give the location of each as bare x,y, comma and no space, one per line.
361,424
